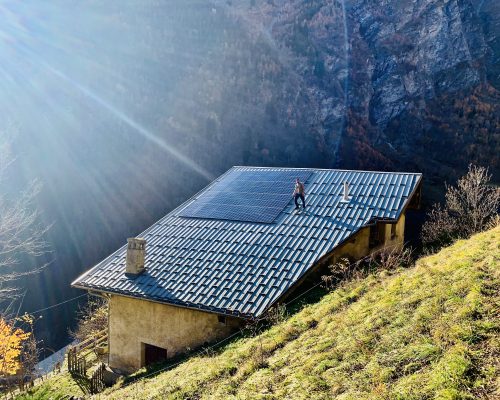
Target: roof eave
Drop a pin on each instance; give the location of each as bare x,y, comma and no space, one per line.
212,310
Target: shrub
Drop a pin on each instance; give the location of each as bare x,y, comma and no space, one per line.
470,207
92,319
388,258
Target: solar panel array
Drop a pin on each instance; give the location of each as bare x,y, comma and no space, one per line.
246,195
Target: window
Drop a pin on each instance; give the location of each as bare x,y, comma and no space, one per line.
221,319
393,231
376,232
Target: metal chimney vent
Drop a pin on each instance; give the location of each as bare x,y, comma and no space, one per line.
346,192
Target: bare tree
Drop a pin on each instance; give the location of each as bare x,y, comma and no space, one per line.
471,206
30,352
92,319
21,231
21,235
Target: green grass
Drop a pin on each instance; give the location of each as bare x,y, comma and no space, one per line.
57,387
62,385
429,332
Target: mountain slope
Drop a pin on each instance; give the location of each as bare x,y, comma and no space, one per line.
123,106
382,84
426,332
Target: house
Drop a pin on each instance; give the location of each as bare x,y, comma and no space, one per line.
235,249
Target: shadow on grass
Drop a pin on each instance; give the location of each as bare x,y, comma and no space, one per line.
82,381
311,297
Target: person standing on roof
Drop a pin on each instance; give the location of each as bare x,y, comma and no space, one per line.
299,192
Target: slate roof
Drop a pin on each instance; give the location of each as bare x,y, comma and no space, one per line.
242,268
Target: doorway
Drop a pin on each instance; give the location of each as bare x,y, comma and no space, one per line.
153,354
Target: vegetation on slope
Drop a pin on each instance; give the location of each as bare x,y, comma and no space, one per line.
426,332
421,333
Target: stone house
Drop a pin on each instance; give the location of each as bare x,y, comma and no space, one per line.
237,248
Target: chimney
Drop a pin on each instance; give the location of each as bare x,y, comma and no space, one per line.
136,252
346,192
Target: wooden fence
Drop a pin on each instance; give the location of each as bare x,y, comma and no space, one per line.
97,379
76,354
77,363
93,342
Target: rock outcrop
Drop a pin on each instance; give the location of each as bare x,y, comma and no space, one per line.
381,84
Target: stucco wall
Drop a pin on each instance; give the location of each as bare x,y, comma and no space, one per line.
359,245
133,322
400,233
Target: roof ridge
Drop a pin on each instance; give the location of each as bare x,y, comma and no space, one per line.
320,169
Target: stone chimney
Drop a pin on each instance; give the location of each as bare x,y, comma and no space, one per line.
136,252
346,192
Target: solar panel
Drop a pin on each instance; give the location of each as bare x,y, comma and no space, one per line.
246,195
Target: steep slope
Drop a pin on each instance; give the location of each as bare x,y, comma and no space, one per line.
431,331
121,103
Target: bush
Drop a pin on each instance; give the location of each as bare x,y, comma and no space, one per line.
470,207
388,258
92,319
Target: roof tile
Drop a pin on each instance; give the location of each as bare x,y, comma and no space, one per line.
242,268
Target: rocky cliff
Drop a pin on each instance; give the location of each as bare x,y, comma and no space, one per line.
379,84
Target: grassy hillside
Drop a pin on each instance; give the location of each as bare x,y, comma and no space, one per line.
429,332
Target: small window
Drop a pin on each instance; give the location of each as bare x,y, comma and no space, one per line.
221,319
375,235
393,231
